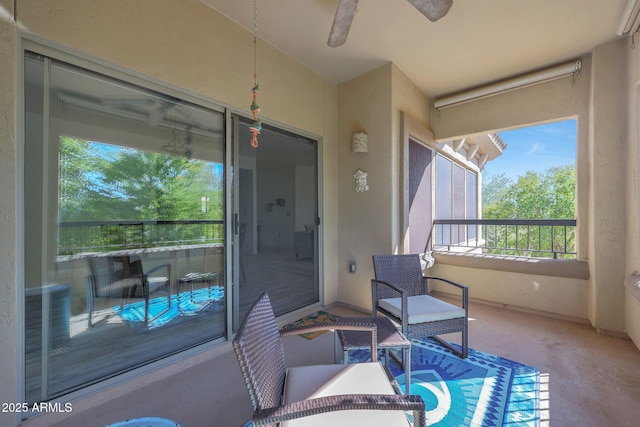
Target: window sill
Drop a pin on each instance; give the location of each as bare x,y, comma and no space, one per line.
540,266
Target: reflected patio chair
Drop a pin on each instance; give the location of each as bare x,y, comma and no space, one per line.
118,277
401,292
360,394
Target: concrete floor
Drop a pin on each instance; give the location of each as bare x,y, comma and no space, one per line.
591,380
588,379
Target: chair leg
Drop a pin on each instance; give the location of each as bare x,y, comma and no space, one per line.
465,341
146,308
463,353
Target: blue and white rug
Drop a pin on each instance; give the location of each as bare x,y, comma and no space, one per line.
482,390
185,304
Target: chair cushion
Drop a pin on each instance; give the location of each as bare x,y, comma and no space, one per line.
422,309
308,382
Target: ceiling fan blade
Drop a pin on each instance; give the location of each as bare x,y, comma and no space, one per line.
432,9
342,22
160,110
156,115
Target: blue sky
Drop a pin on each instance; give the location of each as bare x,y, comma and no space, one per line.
535,148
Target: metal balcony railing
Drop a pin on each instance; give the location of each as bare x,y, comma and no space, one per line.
546,238
103,236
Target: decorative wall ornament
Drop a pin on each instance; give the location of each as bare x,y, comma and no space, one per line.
360,143
361,181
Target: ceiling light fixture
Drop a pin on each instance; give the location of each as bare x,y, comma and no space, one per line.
563,70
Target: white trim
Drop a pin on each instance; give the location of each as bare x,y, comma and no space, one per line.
20,229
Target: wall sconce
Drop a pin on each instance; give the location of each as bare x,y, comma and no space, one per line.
359,143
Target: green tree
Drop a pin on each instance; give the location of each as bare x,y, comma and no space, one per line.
101,182
494,188
75,161
546,195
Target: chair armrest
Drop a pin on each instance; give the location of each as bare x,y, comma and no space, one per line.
376,282
465,289
158,267
345,402
350,324
451,282
389,288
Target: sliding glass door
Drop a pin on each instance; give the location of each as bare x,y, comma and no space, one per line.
150,224
277,218
124,241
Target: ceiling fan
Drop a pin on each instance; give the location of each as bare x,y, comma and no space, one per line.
432,9
156,109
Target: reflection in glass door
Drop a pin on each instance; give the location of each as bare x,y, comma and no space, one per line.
125,240
277,211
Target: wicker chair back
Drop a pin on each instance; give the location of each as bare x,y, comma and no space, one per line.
261,356
404,271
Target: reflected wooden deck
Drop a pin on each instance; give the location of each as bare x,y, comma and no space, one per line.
112,346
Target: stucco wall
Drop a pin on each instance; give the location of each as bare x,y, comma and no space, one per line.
370,222
364,218
414,105
632,139
607,187
554,295
596,100
191,47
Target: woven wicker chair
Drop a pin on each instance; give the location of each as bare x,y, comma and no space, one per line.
322,395
400,291
118,277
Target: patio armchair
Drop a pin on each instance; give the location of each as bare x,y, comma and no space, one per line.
334,395
400,291
118,277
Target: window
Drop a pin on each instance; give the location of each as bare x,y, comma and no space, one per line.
530,192
456,198
528,195
124,239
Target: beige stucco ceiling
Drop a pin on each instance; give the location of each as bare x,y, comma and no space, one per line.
479,41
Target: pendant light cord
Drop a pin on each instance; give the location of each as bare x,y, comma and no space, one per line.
255,41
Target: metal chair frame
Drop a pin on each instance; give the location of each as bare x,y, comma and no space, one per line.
401,276
260,353
118,277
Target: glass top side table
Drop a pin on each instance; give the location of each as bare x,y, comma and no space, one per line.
389,337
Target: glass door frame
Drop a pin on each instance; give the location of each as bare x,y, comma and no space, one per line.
233,119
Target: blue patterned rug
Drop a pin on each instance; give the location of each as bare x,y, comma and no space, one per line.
186,304
482,390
